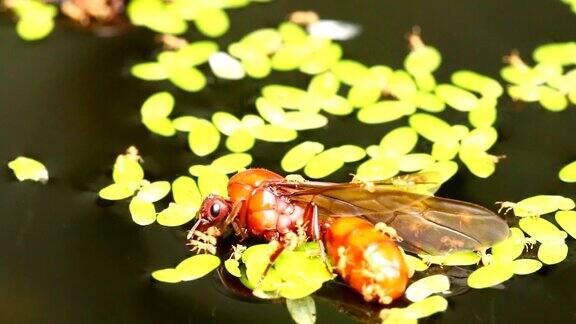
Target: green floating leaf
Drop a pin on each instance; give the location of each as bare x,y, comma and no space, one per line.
421,60
285,96
28,169
427,286
153,191
321,59
427,307
256,64
337,105
525,266
432,128
240,140
143,212
34,27
462,258
556,53
302,120
445,151
350,72
177,215
212,22
302,310
415,162
385,111
168,275
117,191
232,266
456,98
541,230
477,82
150,71
509,249
364,93
490,275
158,105
378,169
553,252
542,204
415,263
425,82
204,138
324,164
568,172
213,181
427,101
567,220
161,126
398,142
186,192
233,162
480,139
188,79
325,85
225,66
351,153
197,266
298,156
552,99
266,40
484,115
273,133
226,123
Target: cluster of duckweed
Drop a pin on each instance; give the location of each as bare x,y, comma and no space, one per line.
571,3
25,168
551,81
35,18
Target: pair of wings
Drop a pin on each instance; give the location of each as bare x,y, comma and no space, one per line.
426,224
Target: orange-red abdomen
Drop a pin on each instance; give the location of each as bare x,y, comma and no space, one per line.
367,259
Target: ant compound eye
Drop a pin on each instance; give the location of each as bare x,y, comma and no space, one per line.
215,210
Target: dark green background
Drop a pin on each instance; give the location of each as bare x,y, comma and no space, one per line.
70,102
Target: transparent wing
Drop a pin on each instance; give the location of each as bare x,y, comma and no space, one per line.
425,223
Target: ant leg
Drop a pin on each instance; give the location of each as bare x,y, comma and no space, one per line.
315,233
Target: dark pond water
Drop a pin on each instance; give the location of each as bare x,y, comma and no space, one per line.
70,102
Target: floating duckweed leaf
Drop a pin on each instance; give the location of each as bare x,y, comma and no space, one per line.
298,156
290,57
337,105
480,139
291,32
483,116
285,96
568,172
213,181
168,275
189,79
456,98
166,22
427,286
421,60
183,123
161,126
511,248
186,192
399,141
567,220
479,163
157,105
301,120
350,72
445,151
143,212
273,133
257,258
302,310
427,101
364,93
212,22
28,169
176,215
443,170
380,75
197,266
460,131
226,122
250,121
542,204
378,169
232,266
415,162
526,93
415,263
117,191
225,66
401,85
425,81
321,59
196,53
351,153
150,71
427,307
462,258
324,164
266,40
476,82
525,266
256,64
552,99
541,230
34,26
333,29
233,162
553,252
432,128
204,138
240,140
396,316
385,111
572,96
490,275
153,191
433,259
197,169
556,53
325,85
